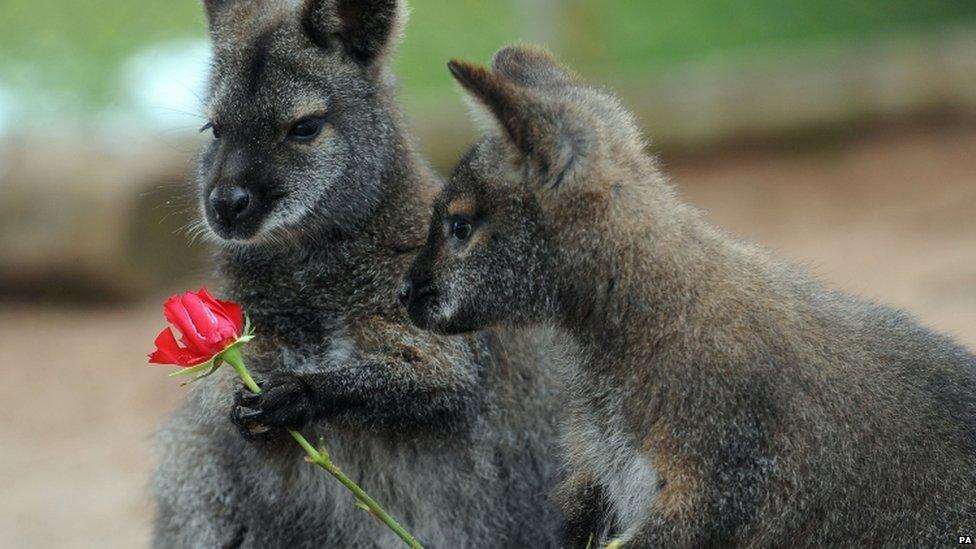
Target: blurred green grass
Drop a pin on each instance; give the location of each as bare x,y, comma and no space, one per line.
77,47
638,36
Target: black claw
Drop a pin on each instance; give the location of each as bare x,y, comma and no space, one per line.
256,432
246,396
245,413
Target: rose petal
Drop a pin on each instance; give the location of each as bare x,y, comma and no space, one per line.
227,310
208,298
235,315
169,352
175,312
204,320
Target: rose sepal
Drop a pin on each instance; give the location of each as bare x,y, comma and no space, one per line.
213,364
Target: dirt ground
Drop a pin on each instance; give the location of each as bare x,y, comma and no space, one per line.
891,217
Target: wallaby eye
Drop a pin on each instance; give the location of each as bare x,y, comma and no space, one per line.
461,229
305,129
213,129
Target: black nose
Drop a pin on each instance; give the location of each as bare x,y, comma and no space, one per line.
406,287
416,289
231,203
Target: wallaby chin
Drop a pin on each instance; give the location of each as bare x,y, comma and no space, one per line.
429,314
455,327
264,237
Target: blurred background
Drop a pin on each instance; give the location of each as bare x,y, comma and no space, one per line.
839,133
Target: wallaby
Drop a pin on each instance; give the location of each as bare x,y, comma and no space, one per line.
317,201
723,398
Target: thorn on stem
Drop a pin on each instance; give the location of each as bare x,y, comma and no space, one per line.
369,511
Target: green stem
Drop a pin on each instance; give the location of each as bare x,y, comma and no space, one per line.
232,356
322,460
321,456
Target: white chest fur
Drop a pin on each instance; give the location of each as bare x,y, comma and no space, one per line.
621,469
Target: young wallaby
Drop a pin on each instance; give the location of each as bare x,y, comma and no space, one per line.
318,201
723,397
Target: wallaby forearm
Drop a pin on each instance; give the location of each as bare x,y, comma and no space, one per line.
388,391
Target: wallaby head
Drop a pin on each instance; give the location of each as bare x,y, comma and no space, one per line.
520,194
483,242
299,108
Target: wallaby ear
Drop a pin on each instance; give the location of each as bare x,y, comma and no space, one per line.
497,93
365,28
531,66
540,131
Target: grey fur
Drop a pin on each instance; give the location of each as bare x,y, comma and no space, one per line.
723,398
453,436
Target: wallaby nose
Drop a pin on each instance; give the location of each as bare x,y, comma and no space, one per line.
415,288
230,203
406,287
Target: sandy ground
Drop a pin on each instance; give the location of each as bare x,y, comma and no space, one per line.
890,217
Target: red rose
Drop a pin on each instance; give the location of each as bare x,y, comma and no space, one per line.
208,327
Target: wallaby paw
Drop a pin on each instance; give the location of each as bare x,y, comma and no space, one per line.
284,402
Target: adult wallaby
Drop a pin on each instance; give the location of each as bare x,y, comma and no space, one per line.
318,201
724,397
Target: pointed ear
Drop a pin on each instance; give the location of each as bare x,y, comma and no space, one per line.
540,131
364,28
531,66
494,91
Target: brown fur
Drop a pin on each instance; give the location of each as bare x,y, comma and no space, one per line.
723,397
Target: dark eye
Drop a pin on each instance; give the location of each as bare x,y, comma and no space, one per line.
305,129
213,129
461,229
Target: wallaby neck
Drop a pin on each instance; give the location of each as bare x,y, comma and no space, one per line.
649,279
